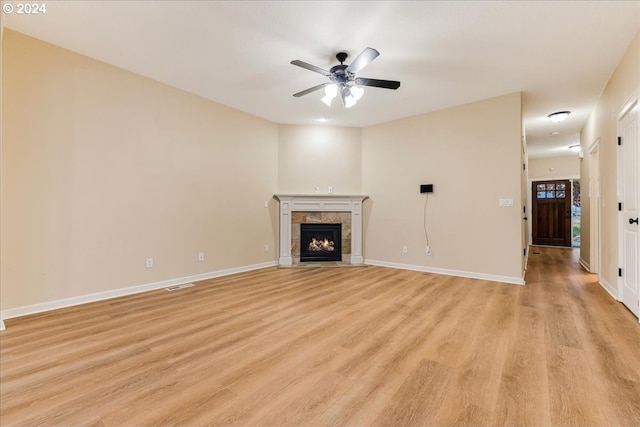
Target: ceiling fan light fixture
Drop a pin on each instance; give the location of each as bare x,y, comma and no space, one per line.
559,116
330,92
348,99
357,92
327,100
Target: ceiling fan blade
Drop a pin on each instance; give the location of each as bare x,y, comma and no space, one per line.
367,55
386,84
311,89
311,67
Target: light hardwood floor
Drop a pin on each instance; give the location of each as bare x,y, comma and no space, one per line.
346,346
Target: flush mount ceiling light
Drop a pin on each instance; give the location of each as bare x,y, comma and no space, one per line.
575,147
554,133
559,116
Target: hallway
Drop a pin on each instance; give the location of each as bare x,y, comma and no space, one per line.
592,342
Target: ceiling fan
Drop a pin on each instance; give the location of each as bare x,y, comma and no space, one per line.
343,80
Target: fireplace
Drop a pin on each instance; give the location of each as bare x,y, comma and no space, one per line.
296,209
320,242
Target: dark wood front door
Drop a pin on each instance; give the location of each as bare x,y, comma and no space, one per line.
551,213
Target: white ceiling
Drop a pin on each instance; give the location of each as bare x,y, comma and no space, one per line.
559,54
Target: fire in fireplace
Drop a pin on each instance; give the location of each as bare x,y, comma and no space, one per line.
320,242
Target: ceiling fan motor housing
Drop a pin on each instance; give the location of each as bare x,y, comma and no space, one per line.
339,74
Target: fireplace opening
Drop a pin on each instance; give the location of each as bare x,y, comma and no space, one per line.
320,242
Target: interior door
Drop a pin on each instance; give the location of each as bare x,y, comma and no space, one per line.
551,213
629,254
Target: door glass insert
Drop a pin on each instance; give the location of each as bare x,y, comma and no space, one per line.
560,186
575,214
551,194
551,186
560,194
541,187
541,194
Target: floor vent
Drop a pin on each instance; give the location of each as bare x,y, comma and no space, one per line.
176,287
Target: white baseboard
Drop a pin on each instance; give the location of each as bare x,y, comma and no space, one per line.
447,272
613,291
585,264
115,293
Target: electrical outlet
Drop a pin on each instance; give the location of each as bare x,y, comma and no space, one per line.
149,263
428,250
405,249
201,256
266,248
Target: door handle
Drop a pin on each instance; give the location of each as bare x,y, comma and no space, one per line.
631,220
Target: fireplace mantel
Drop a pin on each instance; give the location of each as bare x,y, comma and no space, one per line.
320,203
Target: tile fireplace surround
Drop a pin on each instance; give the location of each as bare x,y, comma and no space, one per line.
290,203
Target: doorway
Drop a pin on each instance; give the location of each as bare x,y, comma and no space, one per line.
551,213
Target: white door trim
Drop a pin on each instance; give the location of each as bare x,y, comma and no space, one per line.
530,182
594,208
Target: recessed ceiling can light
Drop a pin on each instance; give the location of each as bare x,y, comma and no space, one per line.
559,116
575,147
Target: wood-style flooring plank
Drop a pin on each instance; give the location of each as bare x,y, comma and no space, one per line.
354,346
523,398
572,389
418,399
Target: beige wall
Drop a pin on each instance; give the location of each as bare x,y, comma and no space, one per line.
602,125
319,156
102,168
471,154
563,167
